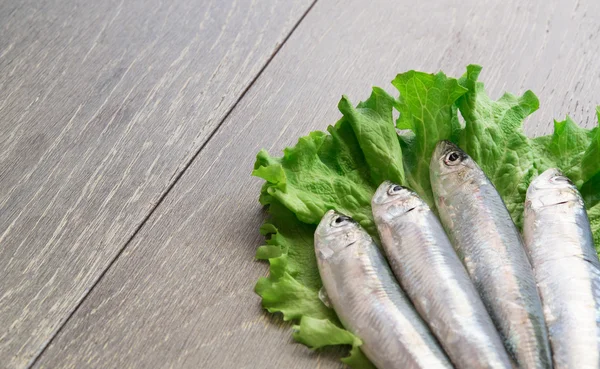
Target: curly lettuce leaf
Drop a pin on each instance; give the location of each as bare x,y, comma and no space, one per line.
425,100
341,169
317,333
370,122
494,138
590,163
292,287
591,196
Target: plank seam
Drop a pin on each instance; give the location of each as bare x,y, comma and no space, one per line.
170,187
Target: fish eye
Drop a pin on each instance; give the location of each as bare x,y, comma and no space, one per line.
394,189
560,179
340,221
452,158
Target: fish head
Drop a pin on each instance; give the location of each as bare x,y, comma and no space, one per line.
335,233
450,167
551,187
392,200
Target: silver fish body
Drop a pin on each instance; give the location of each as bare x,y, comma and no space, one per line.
429,271
491,248
559,241
369,301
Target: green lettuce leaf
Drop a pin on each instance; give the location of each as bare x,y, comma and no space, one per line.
290,289
342,168
425,100
317,333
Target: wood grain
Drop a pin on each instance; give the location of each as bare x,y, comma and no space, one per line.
181,295
102,105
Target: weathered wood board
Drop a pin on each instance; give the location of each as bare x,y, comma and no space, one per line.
102,105
181,294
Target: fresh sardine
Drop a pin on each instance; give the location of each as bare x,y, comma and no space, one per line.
369,301
491,248
559,241
429,271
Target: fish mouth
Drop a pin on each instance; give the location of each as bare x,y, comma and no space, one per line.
406,211
350,244
542,204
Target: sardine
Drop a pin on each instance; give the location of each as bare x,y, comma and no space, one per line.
560,245
491,248
369,301
429,271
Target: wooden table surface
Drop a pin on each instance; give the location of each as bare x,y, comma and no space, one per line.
128,130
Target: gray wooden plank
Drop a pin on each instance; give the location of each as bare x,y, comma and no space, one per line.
181,294
102,104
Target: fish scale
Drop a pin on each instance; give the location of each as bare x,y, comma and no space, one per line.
432,275
368,300
561,248
491,248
